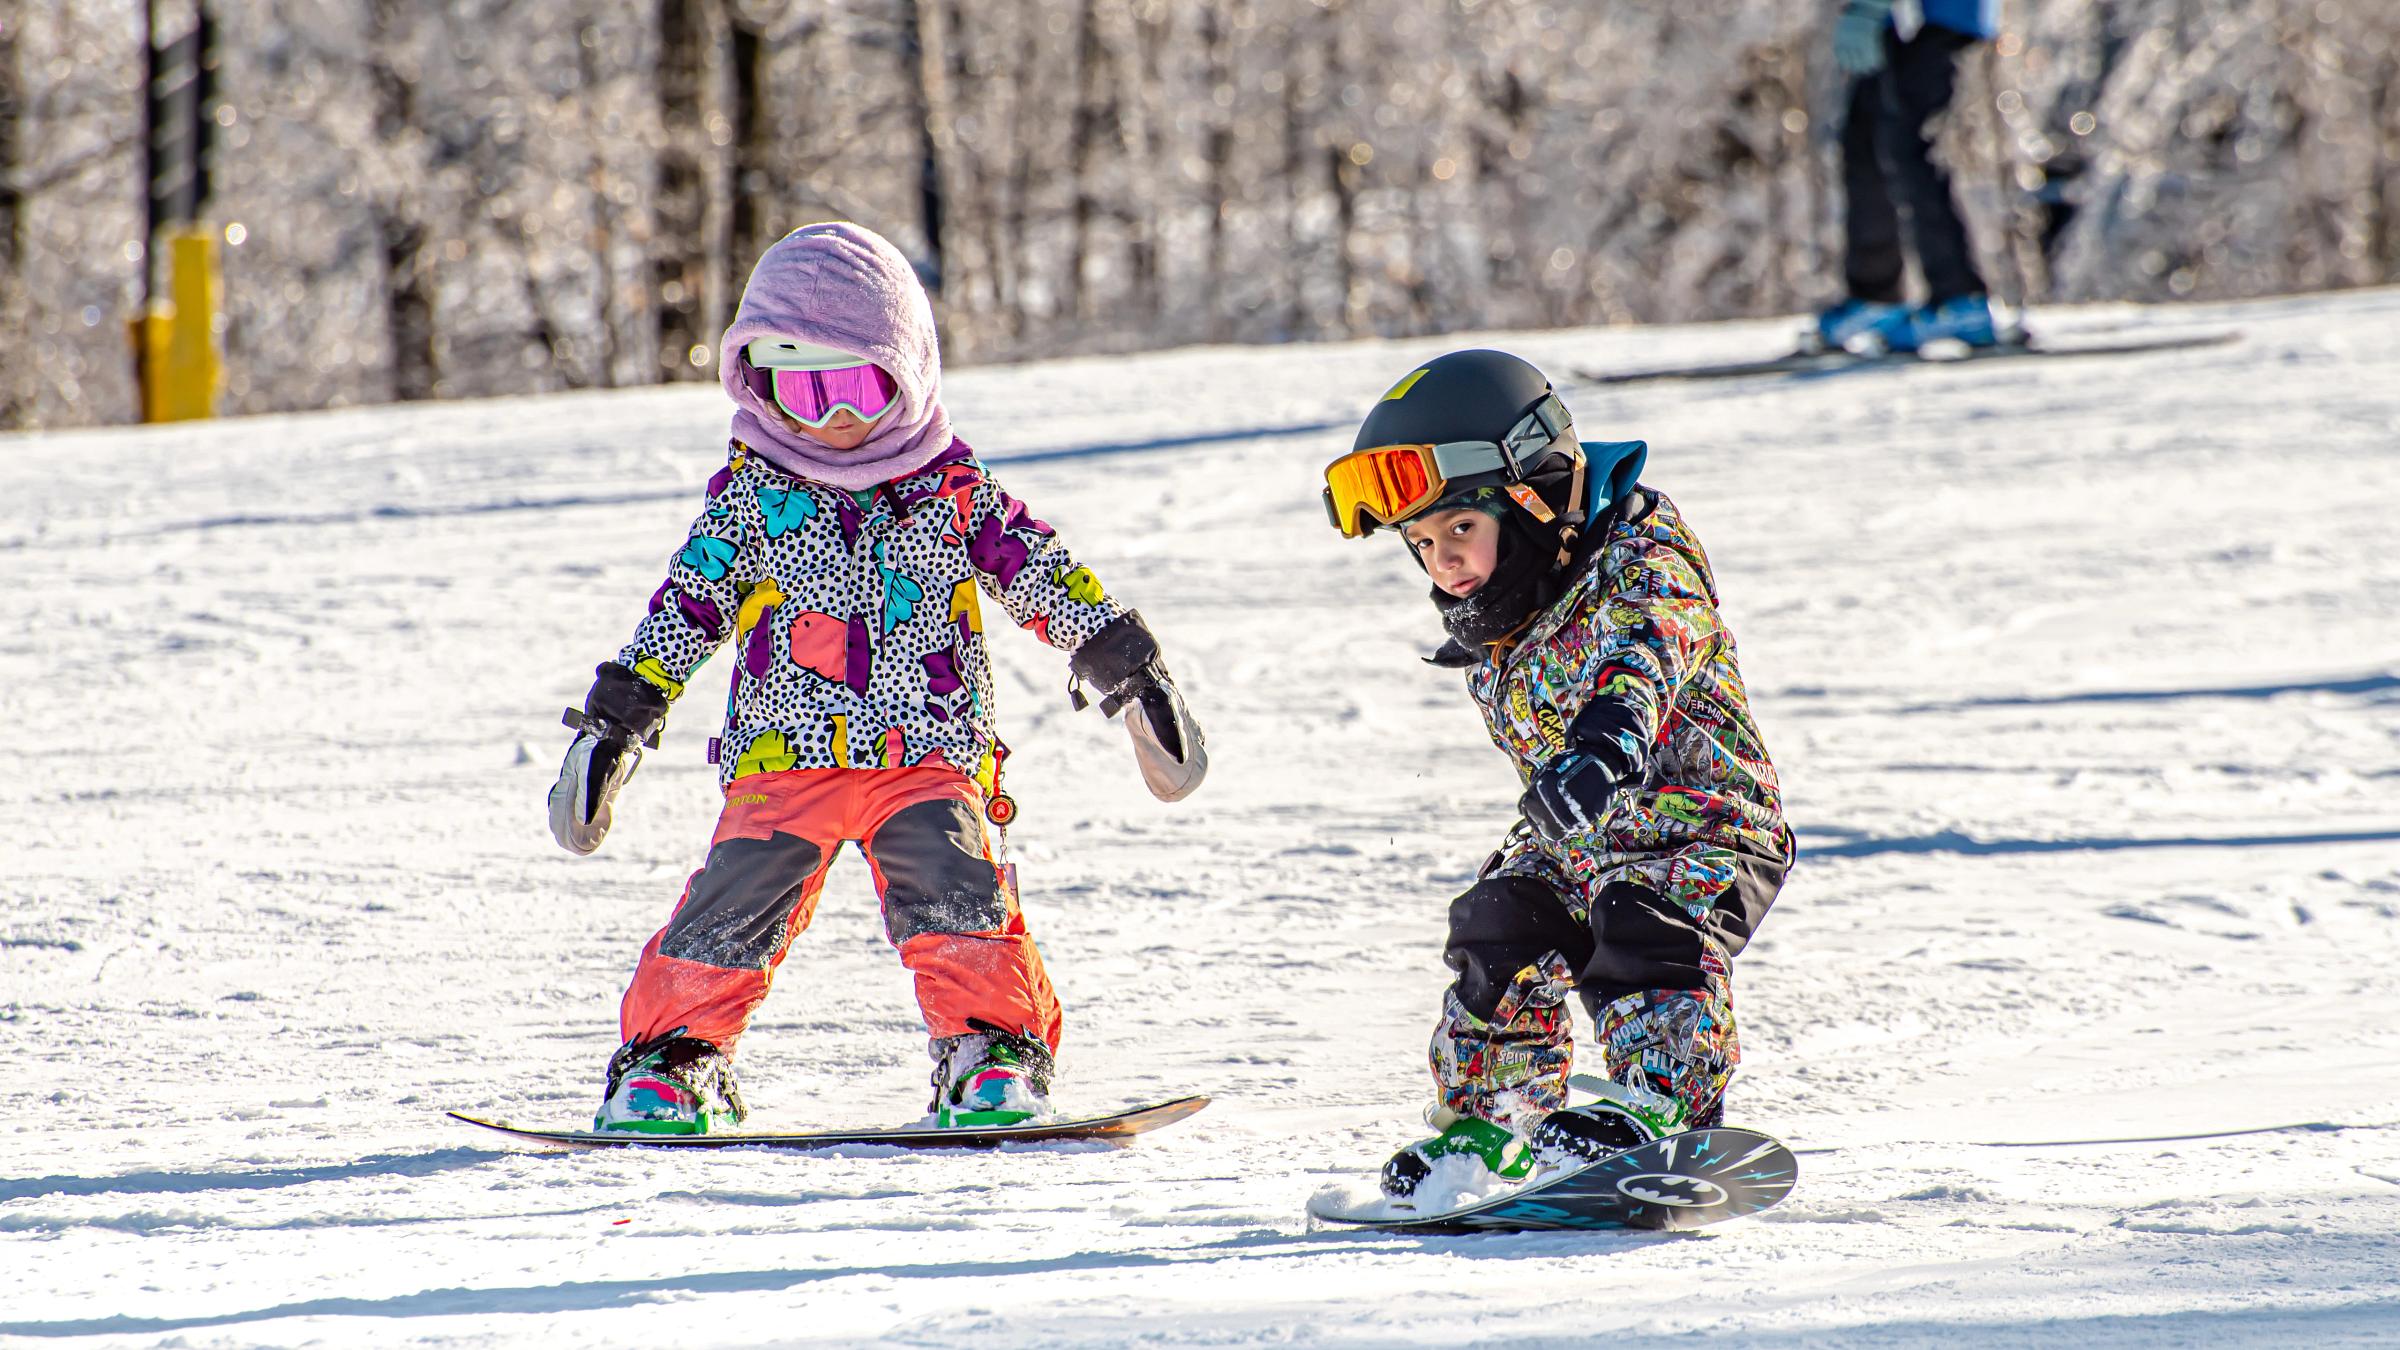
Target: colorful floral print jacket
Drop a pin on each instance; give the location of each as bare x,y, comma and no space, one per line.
856,617
1640,626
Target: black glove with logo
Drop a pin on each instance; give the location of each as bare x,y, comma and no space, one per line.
1571,793
1568,795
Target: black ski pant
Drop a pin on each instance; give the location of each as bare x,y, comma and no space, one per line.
1890,179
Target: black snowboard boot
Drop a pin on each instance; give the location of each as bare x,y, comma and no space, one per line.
1623,1118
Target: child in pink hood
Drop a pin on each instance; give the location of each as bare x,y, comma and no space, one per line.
846,550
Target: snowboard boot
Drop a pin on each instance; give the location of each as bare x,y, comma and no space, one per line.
671,1084
1479,1146
1856,325
989,1077
1964,318
1626,1116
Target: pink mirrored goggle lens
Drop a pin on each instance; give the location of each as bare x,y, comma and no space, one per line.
812,397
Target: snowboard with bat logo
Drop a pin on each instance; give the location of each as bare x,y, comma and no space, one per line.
1678,1182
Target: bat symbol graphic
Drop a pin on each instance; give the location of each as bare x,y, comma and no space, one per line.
1666,1188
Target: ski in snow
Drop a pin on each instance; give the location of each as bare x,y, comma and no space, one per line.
1834,362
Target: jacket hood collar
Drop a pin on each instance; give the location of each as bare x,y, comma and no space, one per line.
1637,506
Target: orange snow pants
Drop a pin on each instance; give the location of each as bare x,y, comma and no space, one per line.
946,906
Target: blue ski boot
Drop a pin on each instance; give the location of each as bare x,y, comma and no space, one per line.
1862,325
671,1084
1965,318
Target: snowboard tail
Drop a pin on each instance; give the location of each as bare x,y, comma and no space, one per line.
1681,1181
1115,1126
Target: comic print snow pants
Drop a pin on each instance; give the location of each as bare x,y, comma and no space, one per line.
1647,944
946,906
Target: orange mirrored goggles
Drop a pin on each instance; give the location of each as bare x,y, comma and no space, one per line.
1385,485
1388,484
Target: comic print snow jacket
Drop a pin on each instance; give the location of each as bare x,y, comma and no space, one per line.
1639,628
856,616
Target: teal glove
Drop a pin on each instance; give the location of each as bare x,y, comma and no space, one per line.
1858,36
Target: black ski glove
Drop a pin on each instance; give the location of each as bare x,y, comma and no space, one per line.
1122,662
622,712
1568,795
1572,792
625,701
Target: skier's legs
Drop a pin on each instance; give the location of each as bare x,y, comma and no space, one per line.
1659,984
1503,1046
709,968
1915,88
1872,266
946,907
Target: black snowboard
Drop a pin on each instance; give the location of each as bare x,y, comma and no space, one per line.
1117,1126
1681,1181
1834,362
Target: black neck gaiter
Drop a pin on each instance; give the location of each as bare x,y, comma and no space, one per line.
1523,583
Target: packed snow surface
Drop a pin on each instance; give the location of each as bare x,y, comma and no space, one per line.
2083,1006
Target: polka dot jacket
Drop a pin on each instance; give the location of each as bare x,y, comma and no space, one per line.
857,618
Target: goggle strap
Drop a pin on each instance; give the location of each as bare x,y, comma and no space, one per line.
1448,457
1540,418
1532,502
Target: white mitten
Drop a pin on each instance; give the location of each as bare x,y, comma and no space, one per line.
1166,742
597,764
1122,661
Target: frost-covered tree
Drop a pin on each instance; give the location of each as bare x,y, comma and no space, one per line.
16,378
467,197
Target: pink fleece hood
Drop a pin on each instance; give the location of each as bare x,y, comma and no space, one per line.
843,286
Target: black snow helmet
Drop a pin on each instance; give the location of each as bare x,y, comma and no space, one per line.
1498,399
1483,395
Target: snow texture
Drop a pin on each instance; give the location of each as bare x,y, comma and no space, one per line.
2084,677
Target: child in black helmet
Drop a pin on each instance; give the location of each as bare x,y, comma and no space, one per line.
1652,837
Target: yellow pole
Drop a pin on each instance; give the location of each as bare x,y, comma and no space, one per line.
181,373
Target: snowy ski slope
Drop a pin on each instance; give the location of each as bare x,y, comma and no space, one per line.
2084,677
